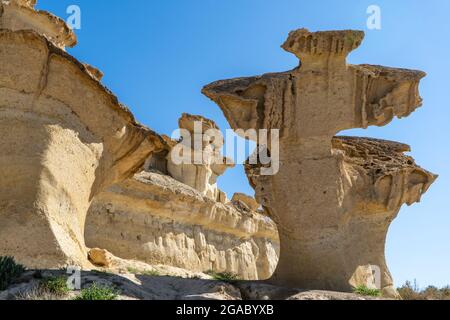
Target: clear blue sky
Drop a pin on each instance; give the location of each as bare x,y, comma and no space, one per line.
157,55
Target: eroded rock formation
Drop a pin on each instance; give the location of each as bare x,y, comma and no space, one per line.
205,163
245,201
65,138
333,198
174,214
159,220
20,15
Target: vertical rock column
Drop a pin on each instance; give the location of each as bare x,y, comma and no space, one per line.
332,215
64,139
203,164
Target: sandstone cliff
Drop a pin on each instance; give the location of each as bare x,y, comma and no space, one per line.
156,219
177,216
65,137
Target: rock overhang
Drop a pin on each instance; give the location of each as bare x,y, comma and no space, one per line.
59,76
304,43
20,15
378,159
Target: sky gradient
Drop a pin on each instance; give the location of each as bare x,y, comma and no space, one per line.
157,55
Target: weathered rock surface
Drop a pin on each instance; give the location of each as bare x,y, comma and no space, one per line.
156,219
197,160
20,15
137,281
65,138
245,201
333,198
100,257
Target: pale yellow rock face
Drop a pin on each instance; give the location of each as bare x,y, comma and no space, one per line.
247,201
20,15
158,220
68,143
64,139
205,163
333,198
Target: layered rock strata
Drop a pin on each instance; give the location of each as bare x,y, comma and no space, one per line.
20,15
65,138
156,219
174,214
333,199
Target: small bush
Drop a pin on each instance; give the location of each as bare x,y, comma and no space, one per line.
56,286
223,276
9,271
98,292
365,291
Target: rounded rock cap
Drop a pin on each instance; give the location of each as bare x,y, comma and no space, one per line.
302,42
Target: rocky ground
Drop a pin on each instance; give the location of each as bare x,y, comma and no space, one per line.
147,287
134,280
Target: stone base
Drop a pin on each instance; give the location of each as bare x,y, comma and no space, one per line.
47,172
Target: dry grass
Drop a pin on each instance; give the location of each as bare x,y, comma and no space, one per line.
411,291
39,293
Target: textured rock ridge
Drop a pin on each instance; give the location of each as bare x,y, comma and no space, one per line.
20,15
372,95
333,198
156,219
65,138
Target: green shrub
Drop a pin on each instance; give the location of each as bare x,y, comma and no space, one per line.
98,292
9,271
365,291
223,276
55,285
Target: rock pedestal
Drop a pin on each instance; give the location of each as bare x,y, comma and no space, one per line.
333,198
64,139
204,162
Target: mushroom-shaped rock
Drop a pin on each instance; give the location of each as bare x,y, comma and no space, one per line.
64,139
197,160
321,97
333,198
